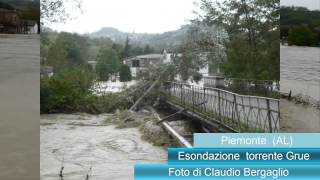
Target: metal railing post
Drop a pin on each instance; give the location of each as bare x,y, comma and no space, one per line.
204,99
236,111
269,115
181,95
192,97
219,105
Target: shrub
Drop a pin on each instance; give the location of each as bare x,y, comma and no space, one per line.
125,73
68,92
65,91
301,36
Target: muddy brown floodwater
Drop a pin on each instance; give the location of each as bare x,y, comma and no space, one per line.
81,141
19,107
300,73
299,117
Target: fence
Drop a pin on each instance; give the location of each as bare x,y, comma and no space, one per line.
266,88
241,113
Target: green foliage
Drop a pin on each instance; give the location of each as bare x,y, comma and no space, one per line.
300,21
301,36
253,32
148,49
125,73
67,52
126,49
136,51
65,91
70,91
108,63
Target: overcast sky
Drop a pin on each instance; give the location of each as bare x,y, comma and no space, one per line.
310,4
151,16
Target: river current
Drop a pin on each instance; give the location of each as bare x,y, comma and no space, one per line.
300,73
80,142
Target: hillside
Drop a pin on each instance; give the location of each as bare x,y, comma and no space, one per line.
165,40
296,16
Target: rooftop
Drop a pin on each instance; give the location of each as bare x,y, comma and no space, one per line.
147,56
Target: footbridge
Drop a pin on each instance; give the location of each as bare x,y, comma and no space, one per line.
219,110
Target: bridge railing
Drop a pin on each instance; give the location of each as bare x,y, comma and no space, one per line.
242,113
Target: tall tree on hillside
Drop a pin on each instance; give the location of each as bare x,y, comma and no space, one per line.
148,49
136,50
108,63
127,49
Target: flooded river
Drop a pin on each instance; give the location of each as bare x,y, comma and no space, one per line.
300,73
81,141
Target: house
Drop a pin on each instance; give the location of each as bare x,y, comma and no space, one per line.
140,63
9,21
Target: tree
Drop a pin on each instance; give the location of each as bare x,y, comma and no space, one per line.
253,35
125,73
68,51
108,63
301,36
53,11
292,17
127,49
66,90
137,50
148,50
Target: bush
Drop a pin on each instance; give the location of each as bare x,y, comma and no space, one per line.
68,92
125,73
301,36
65,91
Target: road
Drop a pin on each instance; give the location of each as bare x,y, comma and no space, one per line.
19,107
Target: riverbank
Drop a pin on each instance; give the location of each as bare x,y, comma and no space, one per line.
299,117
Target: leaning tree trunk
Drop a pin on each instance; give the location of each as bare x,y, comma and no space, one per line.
134,106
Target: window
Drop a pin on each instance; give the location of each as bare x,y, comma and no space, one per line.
135,63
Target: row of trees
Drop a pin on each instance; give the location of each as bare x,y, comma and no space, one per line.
109,59
300,26
65,51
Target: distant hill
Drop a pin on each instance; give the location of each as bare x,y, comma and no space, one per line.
166,40
295,16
